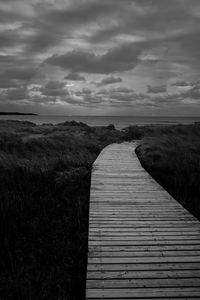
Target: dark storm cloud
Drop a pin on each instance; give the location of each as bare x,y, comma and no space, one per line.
74,101
193,93
7,83
54,24
156,89
84,97
127,97
57,24
82,12
149,16
122,94
10,16
172,23
41,41
13,63
75,77
159,40
38,40
109,80
181,83
55,92
83,92
19,73
54,88
117,59
52,85
7,59
189,43
122,90
9,38
16,94
14,77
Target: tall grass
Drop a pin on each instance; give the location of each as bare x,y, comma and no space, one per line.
173,159
45,185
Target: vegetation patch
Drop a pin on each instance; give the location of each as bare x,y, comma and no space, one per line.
172,157
45,185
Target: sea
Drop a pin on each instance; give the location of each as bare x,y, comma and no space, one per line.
119,121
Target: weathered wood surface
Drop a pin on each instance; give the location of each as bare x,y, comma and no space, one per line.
142,243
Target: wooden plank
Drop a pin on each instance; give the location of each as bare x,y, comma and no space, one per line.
142,233
132,293
147,229
142,243
147,266
144,253
142,260
143,238
135,226
147,298
143,283
127,219
146,274
163,247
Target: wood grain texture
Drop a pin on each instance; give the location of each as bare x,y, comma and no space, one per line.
142,243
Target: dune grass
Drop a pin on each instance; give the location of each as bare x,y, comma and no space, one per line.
45,184
172,157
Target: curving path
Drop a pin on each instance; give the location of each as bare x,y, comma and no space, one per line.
142,243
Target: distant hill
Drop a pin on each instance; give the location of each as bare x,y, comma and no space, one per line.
17,113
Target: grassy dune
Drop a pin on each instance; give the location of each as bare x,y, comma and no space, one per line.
172,156
45,184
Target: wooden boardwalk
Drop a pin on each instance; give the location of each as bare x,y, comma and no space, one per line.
142,243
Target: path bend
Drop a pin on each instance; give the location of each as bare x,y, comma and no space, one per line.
142,243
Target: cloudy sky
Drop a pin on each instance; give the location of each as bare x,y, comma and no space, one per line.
100,57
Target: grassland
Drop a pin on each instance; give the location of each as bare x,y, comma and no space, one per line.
45,183
172,156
